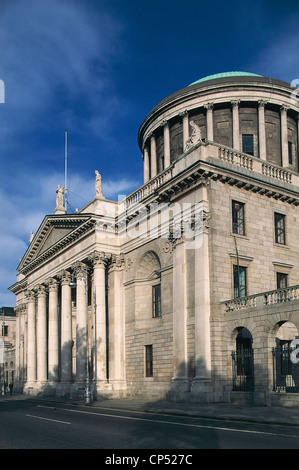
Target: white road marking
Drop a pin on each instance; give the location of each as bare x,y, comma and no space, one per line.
175,423
48,419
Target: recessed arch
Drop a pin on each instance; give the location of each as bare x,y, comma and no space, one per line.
149,266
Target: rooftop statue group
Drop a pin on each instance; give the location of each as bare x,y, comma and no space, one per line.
60,192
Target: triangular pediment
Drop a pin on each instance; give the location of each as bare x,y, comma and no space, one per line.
52,234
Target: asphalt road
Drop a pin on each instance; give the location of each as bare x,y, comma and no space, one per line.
34,424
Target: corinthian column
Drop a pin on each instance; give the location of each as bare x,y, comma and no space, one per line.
262,129
81,323
210,132
236,126
66,330
99,276
31,341
284,136
153,156
53,331
166,144
185,128
146,166
42,346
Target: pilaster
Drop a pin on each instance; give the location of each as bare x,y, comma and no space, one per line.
116,325
180,381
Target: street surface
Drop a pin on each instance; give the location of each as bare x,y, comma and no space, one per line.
41,424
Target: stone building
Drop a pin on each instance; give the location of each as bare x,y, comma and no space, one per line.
8,344
187,289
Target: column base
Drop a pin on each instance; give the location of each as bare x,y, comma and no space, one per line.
50,388
80,390
202,390
179,389
30,388
63,389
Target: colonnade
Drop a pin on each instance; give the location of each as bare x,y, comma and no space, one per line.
50,336
150,153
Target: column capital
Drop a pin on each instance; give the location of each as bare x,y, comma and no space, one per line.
30,296
65,277
284,108
52,284
99,258
262,103
165,123
117,262
41,290
184,113
235,103
209,105
80,269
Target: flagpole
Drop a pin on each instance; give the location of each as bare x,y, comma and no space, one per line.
65,171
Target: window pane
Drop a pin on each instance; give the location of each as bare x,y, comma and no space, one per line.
290,149
247,143
149,361
157,300
279,222
282,280
239,281
238,218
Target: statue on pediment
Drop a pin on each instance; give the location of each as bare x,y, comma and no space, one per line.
98,184
60,209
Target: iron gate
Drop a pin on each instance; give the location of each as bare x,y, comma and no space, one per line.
285,372
243,369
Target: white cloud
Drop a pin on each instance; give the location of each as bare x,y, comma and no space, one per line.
25,210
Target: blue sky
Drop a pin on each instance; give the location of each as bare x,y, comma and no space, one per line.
96,68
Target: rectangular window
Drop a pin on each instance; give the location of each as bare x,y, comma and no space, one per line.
279,224
290,150
149,360
240,288
247,143
157,301
4,330
238,221
282,280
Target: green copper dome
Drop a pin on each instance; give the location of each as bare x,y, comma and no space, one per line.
225,74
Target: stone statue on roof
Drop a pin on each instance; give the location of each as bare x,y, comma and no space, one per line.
98,184
60,209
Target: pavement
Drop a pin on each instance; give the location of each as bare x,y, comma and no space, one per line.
220,411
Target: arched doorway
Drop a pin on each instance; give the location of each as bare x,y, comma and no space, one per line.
285,364
243,362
